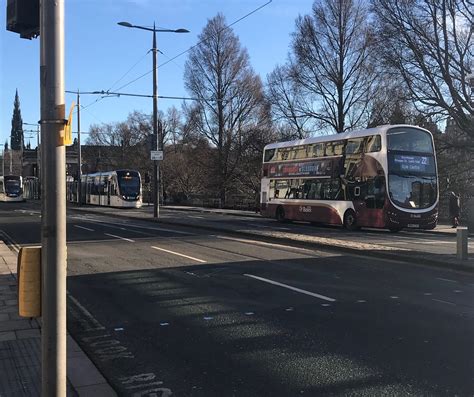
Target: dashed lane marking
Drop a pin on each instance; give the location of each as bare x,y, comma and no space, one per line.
301,291
446,302
446,279
178,254
263,243
85,228
120,237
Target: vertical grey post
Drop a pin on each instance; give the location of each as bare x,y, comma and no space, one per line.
3,159
79,154
156,164
38,171
53,200
461,243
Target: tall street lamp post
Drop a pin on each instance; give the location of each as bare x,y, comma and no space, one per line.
156,133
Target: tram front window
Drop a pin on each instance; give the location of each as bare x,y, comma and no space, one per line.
129,185
12,186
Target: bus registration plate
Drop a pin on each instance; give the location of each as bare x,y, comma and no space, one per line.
413,225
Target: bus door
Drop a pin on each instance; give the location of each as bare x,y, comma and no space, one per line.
370,201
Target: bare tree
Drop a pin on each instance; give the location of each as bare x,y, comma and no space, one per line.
219,74
332,63
287,102
120,145
430,44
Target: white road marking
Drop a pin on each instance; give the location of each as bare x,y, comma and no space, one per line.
86,313
160,229
394,297
427,294
121,238
446,279
256,242
439,300
301,291
457,291
177,253
361,301
85,228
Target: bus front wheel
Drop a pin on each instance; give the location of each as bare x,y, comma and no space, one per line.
280,214
350,220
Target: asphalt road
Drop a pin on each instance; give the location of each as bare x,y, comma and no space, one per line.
166,309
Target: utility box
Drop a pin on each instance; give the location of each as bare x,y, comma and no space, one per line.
29,282
23,17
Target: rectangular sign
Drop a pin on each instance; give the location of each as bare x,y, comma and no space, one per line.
410,163
308,168
157,155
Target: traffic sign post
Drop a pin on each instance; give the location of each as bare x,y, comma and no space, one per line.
156,155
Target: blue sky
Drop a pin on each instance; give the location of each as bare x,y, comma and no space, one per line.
99,52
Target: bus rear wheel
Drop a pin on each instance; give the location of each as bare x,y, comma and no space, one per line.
280,214
350,220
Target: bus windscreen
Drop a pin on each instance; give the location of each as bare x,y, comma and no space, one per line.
412,177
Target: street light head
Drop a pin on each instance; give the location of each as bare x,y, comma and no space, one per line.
181,31
126,24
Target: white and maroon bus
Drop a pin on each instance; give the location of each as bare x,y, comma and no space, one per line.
383,177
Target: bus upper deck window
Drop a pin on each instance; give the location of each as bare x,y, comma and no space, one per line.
373,144
318,150
355,146
269,154
334,148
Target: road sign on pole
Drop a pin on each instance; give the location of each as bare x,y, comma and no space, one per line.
156,155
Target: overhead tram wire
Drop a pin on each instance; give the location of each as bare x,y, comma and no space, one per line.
197,44
117,81
107,94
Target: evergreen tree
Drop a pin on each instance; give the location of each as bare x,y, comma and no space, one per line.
16,135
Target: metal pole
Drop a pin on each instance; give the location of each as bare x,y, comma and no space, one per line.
79,154
3,159
53,220
156,164
38,170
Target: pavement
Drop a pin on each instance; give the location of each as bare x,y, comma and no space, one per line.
20,347
433,252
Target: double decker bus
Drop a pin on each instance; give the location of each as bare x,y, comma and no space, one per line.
11,188
383,177
119,188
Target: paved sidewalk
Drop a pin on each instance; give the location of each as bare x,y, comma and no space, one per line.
418,257
20,347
